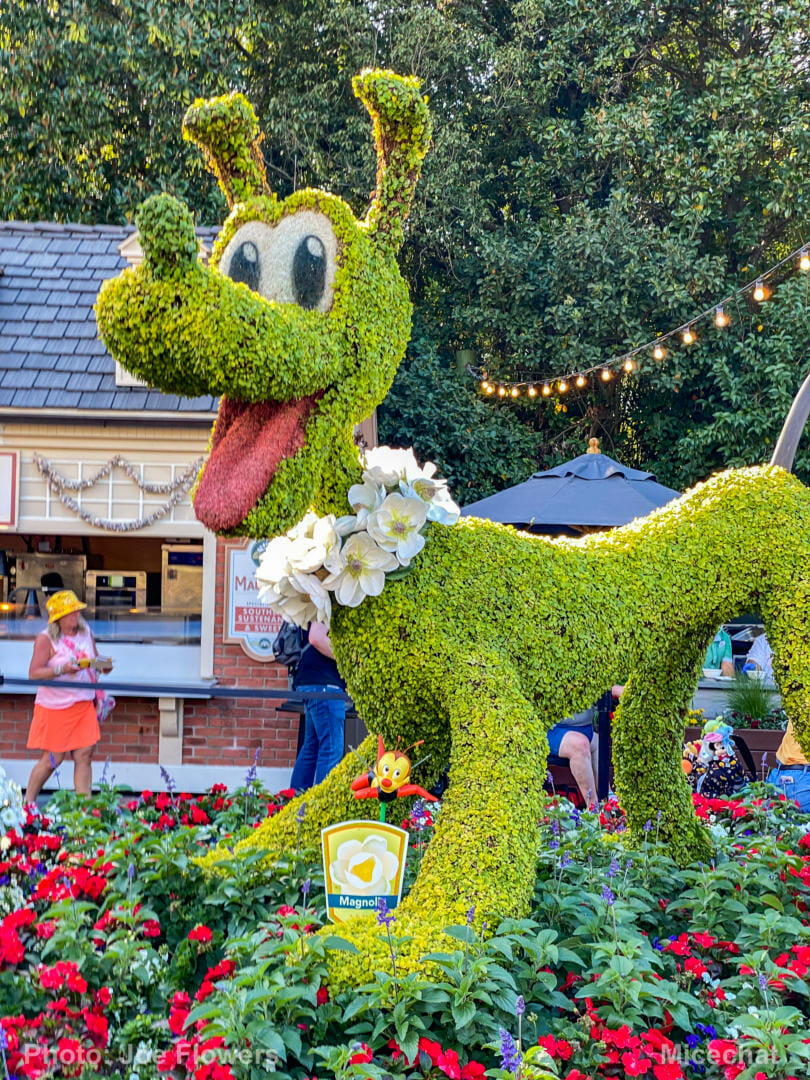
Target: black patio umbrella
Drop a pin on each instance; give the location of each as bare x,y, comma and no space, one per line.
591,491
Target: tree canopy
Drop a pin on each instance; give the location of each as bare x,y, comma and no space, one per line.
599,174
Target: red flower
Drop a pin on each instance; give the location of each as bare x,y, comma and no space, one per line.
449,1064
150,928
200,933
634,1064
620,1038
473,1070
363,1056
704,940
199,816
322,996
723,1051
287,793
556,1047
432,1049
670,1070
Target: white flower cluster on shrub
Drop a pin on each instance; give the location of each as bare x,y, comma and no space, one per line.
347,558
11,804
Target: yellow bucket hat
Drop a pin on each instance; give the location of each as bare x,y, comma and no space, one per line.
63,603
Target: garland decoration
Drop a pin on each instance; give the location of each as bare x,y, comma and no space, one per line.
61,486
350,557
627,363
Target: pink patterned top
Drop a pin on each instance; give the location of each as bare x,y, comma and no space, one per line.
68,650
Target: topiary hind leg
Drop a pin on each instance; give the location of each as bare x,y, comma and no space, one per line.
647,751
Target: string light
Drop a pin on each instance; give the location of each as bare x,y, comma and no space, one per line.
756,289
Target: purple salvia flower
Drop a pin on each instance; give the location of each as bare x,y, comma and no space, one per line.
131,871
511,1058
763,982
647,826
250,776
302,809
471,916
520,1005
168,780
305,887
566,860
613,869
607,896
384,916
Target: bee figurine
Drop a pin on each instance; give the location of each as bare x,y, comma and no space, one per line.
389,779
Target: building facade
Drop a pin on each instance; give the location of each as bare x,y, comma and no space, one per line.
95,475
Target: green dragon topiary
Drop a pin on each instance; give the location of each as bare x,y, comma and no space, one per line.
299,323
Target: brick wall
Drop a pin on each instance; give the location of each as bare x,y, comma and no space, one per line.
219,731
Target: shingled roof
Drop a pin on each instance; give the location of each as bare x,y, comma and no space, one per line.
50,355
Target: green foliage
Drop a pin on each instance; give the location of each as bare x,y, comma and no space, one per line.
437,411
748,698
227,132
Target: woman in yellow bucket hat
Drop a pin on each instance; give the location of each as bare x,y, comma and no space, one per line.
64,721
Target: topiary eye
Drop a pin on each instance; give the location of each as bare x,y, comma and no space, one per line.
309,271
245,265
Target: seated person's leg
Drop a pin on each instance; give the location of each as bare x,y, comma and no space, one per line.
576,746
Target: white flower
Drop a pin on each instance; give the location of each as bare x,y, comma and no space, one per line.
444,509
386,466
275,562
346,525
364,869
364,571
365,497
319,549
299,598
395,526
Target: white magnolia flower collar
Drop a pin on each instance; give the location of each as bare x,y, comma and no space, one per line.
348,558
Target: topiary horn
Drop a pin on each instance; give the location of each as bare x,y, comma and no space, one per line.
226,130
402,132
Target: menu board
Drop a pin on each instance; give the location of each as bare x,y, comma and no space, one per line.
248,620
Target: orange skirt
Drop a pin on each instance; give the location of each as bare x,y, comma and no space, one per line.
61,730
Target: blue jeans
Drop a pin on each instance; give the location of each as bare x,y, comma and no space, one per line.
323,739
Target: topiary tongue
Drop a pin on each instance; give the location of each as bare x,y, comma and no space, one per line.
249,442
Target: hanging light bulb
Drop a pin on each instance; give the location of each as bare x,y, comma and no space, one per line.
804,260
760,292
720,317
688,336
659,352
628,364
581,380
605,374
490,388
546,389
532,391
501,391
562,386
485,385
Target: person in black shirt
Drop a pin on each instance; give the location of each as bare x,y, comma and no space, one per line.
325,718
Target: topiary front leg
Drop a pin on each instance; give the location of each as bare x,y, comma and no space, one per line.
328,803
648,734
484,851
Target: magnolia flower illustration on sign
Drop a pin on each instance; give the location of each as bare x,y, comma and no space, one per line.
349,556
364,869
395,526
